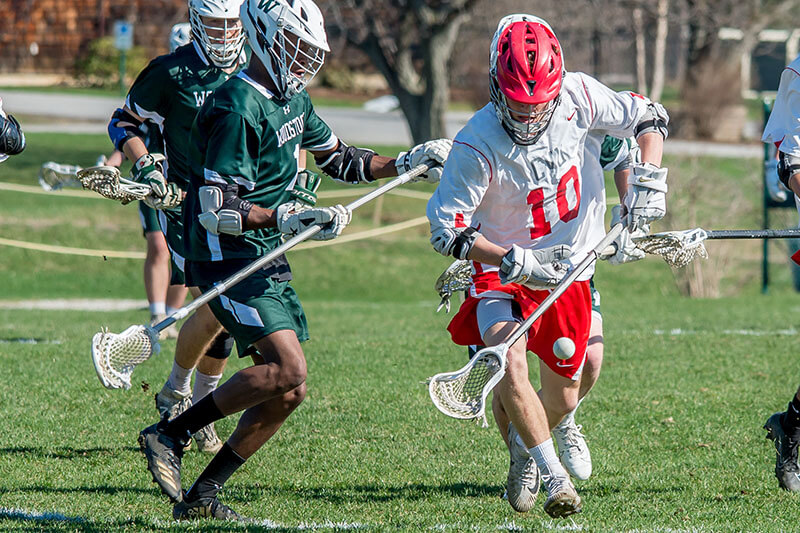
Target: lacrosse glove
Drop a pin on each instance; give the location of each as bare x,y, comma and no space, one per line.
304,191
627,251
647,199
537,269
435,151
148,171
292,221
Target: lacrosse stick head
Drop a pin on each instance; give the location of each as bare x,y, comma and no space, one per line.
677,248
457,277
462,394
115,355
55,176
107,182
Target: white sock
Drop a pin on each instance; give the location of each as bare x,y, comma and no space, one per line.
204,385
546,459
158,308
171,310
180,378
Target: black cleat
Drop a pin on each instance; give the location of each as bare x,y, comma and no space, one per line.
204,508
163,460
786,467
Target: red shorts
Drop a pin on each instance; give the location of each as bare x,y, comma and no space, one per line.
570,316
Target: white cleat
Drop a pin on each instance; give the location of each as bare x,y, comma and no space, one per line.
171,403
562,498
572,448
522,484
207,439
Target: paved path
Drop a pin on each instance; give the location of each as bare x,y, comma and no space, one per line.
89,114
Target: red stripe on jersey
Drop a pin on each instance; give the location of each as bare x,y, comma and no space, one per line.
793,70
491,172
589,98
796,257
459,221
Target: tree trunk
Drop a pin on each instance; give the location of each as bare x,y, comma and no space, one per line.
641,51
660,51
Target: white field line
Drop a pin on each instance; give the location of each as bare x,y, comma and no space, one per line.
77,304
740,332
36,516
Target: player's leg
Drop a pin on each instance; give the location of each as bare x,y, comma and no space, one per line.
572,448
208,375
784,429
156,268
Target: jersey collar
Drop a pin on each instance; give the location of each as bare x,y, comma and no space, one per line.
257,86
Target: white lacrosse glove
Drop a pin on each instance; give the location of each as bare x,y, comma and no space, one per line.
148,171
537,269
292,220
172,198
775,188
435,151
647,199
213,218
627,252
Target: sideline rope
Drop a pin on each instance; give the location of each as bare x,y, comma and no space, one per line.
361,235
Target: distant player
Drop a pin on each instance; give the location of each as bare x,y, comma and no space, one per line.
12,140
244,167
169,92
783,129
513,199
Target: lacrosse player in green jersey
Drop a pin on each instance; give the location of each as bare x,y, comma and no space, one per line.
241,200
169,92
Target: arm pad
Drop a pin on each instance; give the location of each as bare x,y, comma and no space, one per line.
788,165
348,164
655,120
124,126
12,140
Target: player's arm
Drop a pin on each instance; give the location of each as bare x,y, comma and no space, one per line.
12,140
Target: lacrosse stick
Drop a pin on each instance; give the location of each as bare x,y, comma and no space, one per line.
679,248
107,182
115,355
54,176
462,394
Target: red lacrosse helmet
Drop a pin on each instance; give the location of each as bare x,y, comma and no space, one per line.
526,73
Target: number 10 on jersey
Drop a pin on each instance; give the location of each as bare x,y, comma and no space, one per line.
541,226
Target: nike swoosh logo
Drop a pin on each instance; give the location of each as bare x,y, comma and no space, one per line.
645,180
558,363
572,115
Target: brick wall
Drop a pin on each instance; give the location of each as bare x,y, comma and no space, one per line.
62,29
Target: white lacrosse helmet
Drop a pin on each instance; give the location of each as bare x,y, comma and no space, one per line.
216,28
288,37
179,35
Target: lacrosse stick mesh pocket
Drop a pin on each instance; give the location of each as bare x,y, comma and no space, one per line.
461,394
116,355
107,182
457,277
675,250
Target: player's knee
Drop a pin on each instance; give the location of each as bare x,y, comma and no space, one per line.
293,398
293,373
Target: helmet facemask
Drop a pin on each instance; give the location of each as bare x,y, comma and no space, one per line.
296,62
221,39
524,123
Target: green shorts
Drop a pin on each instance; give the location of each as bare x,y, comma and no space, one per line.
149,218
256,307
595,299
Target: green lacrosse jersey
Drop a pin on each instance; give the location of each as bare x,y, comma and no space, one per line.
613,151
170,92
245,135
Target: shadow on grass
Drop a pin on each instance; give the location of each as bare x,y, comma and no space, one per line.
66,453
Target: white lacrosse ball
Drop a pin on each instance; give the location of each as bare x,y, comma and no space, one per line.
564,348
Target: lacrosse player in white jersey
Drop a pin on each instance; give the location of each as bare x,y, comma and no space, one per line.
12,140
783,129
512,199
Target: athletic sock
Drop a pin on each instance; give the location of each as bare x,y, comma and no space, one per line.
196,417
180,379
170,310
218,471
791,420
204,385
546,459
158,308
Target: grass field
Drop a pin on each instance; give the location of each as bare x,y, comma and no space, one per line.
674,423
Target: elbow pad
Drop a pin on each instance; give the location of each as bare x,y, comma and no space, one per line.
122,127
788,165
655,120
348,164
12,140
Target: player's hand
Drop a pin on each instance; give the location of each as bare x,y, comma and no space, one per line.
292,221
646,201
777,191
627,251
537,269
435,151
172,198
147,170
213,218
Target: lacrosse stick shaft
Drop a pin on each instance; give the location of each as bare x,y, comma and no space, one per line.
564,284
753,234
259,263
